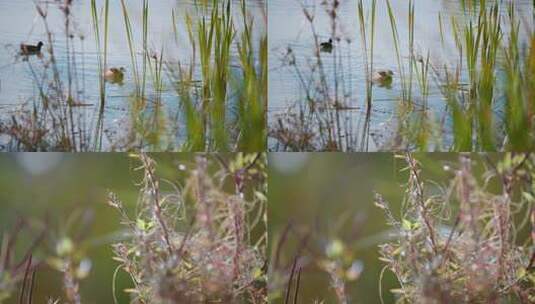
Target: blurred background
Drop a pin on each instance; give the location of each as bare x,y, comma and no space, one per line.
67,194
323,203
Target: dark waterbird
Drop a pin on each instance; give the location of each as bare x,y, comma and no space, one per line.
29,49
327,47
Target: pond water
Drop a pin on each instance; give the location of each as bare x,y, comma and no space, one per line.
21,23
290,29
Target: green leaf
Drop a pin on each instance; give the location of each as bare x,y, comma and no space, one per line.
406,224
528,197
335,249
520,273
64,247
261,196
140,224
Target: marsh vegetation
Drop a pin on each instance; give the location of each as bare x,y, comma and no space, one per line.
402,75
122,76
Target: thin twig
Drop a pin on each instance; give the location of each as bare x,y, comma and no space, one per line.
290,282
298,281
420,194
26,272
148,164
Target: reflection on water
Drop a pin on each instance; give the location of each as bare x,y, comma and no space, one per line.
290,30
21,23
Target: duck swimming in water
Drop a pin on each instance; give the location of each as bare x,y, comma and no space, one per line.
382,78
114,75
327,47
28,49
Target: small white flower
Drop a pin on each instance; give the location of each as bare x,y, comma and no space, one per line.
355,270
83,269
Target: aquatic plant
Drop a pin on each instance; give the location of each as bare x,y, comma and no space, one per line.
206,109
56,117
324,117
363,34
228,114
486,88
253,97
490,49
102,66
